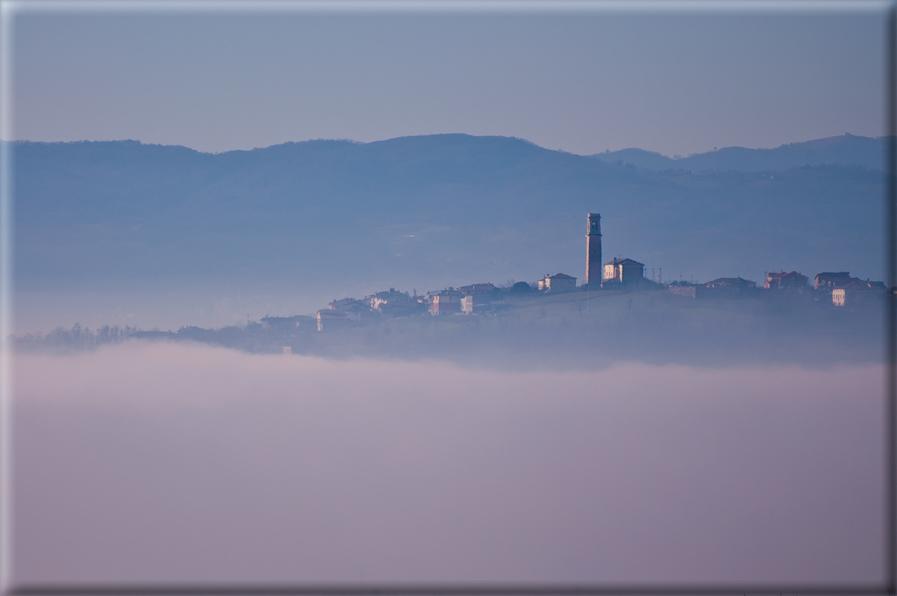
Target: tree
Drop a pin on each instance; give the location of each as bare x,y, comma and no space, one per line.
520,288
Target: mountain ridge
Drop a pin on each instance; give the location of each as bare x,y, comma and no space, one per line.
325,219
846,149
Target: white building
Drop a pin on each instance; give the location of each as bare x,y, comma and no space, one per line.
560,282
625,271
445,302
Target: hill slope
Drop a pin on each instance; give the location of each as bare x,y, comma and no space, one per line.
846,150
322,219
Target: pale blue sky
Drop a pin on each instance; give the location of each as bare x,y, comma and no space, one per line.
584,83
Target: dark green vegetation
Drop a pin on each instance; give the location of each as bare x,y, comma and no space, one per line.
575,330
317,216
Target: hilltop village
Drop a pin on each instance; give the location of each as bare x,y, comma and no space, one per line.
624,275
617,313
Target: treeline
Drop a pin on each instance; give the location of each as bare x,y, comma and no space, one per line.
77,337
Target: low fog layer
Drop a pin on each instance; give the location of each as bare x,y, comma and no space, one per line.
177,462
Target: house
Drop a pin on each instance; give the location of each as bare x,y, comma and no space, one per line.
446,302
849,290
376,301
858,292
786,281
475,303
401,309
557,283
346,303
627,275
393,303
686,289
624,271
476,289
333,319
730,283
830,281
343,312
725,288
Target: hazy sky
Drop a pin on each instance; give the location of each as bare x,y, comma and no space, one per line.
674,82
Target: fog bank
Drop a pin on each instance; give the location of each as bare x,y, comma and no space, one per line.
178,462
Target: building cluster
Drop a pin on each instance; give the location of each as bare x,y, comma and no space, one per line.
470,299
629,275
839,288
618,274
849,290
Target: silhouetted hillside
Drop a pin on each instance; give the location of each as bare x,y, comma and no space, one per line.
331,218
846,150
648,160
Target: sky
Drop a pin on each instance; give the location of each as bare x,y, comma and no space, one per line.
673,82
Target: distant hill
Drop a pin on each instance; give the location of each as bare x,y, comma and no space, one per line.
844,150
325,219
649,160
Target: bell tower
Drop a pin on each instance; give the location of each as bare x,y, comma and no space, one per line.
593,250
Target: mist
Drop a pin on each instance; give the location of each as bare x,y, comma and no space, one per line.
181,462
